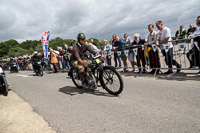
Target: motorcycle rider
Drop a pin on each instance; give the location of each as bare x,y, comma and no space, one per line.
78,56
12,62
35,58
3,81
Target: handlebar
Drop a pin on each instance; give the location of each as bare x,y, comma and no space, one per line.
97,56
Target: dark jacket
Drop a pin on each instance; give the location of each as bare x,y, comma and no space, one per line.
140,43
79,51
35,59
119,44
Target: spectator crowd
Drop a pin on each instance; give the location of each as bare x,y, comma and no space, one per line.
138,52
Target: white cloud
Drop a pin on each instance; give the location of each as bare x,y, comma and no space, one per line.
27,20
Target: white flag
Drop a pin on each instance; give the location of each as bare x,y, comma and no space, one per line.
154,47
119,53
126,52
166,47
196,44
135,50
181,46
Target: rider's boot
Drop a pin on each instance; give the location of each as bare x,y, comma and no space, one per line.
82,80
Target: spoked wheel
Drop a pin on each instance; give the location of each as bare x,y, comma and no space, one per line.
41,71
76,78
111,80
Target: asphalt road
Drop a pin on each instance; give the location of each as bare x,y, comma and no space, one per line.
147,105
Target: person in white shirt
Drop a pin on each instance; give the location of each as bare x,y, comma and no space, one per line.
164,40
153,55
196,38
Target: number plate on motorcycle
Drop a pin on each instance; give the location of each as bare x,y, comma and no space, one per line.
97,61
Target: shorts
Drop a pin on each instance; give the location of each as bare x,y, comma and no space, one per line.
79,67
123,56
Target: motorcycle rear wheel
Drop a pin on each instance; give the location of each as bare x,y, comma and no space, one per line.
75,77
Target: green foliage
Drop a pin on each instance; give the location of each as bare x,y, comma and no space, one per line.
12,48
17,51
54,43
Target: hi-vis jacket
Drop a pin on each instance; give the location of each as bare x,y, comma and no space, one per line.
182,34
54,58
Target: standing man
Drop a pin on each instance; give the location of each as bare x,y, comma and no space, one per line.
67,57
115,53
138,42
117,45
153,55
61,57
181,33
191,30
196,38
92,41
163,39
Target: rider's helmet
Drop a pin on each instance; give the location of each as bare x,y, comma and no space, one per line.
80,36
35,52
11,58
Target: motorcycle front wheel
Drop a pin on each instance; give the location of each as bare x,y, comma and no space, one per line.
111,80
41,71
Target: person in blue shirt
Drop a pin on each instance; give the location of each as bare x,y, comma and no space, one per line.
106,49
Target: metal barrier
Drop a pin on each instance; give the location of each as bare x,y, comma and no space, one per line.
183,54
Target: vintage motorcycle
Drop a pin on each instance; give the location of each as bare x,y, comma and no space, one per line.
3,83
39,68
14,67
95,72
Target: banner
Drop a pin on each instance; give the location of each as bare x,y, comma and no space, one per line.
126,52
181,46
135,50
154,47
119,53
45,43
166,47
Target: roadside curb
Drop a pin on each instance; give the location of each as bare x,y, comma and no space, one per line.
17,116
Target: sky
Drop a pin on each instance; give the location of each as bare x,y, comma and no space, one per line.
23,20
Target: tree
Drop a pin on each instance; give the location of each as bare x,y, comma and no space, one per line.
30,44
17,51
6,46
54,43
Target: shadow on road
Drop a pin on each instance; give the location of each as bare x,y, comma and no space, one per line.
74,91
